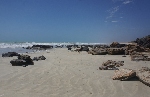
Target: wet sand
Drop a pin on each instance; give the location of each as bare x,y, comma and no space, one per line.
69,74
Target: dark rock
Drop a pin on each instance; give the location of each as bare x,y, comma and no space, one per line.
18,62
39,58
23,60
10,54
144,42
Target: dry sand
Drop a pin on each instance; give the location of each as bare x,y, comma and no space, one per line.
68,74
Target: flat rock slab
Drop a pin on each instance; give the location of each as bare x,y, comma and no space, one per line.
124,74
144,75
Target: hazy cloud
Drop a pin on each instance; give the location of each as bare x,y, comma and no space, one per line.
127,1
112,11
115,9
114,21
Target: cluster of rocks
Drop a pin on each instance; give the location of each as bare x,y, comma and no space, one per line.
79,49
115,48
116,45
39,47
98,51
142,74
10,54
141,57
144,42
23,60
111,65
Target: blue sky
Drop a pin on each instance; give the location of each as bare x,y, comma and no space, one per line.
102,21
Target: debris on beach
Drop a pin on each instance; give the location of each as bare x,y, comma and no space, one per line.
10,54
23,60
124,74
39,58
111,65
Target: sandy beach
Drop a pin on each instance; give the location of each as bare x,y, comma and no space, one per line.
69,74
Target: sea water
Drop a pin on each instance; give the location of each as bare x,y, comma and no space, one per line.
18,46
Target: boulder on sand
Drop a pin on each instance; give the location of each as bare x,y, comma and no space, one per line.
111,65
23,60
18,62
144,75
124,74
39,58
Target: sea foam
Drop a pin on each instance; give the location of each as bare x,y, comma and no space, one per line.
26,44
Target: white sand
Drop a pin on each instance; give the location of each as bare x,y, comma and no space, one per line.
68,74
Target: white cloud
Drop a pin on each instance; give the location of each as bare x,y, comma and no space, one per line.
123,1
115,9
127,1
114,21
112,11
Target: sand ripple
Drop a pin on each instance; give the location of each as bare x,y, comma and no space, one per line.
66,74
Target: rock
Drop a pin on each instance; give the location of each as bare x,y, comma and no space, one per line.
18,62
23,60
85,48
69,48
40,47
124,74
10,54
144,42
98,51
115,51
39,58
144,75
111,65
103,68
116,45
139,57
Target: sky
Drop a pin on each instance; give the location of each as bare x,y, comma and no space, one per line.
98,21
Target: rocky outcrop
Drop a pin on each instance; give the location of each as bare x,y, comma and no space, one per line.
111,65
40,47
144,75
115,51
144,42
116,45
124,74
139,58
98,51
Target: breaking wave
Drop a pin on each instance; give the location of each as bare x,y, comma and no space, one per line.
26,44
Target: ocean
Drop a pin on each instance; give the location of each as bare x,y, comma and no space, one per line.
18,46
